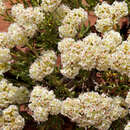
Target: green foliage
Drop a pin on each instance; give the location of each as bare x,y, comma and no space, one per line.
48,37
83,31
77,128
128,2
54,122
120,124
114,83
19,73
35,2
73,3
91,4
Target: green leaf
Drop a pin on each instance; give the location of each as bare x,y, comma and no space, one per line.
91,4
128,3
35,2
25,3
78,128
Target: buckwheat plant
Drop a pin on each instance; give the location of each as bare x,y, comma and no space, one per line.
59,67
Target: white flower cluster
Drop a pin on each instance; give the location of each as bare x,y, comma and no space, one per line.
109,15
89,109
29,15
103,25
92,109
25,26
127,126
4,55
61,12
4,60
91,51
128,39
43,66
22,95
10,119
120,59
94,52
28,18
43,103
4,39
14,36
119,9
70,57
10,94
111,40
71,22
50,5
4,67
2,7
127,100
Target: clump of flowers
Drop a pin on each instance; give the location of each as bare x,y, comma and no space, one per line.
50,5
127,100
92,109
29,15
25,25
16,10
67,31
109,15
22,95
111,40
2,7
119,9
5,58
43,66
93,52
28,18
127,127
128,39
4,55
7,93
10,94
15,36
70,57
61,12
43,102
71,22
11,119
120,58
103,25
103,10
4,67
4,39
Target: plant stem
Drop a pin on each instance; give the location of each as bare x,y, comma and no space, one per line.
115,27
32,49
